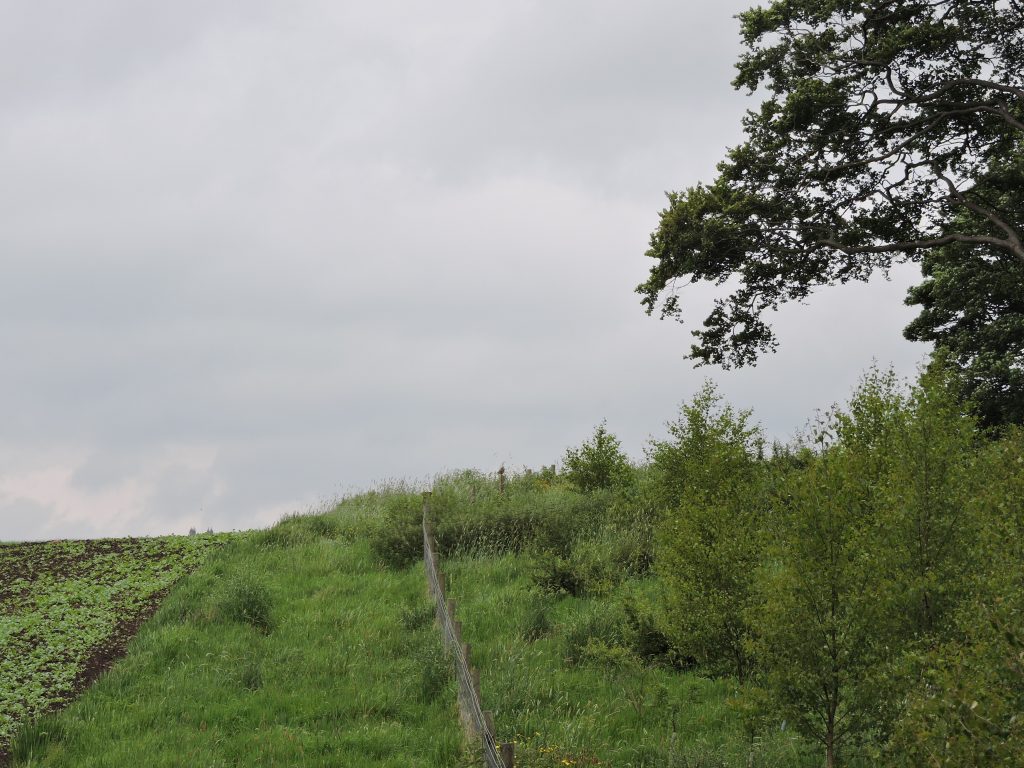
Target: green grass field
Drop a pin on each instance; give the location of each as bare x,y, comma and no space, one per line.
313,643
67,607
554,671
289,647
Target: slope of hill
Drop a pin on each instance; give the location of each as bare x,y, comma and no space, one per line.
67,609
286,647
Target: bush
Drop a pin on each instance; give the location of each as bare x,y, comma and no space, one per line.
602,625
577,575
710,540
597,464
648,640
470,517
600,653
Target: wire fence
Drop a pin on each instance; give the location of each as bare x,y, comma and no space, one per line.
475,719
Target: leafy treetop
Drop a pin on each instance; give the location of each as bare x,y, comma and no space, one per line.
879,119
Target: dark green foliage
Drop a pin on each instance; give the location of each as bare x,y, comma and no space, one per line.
559,575
648,639
398,540
597,464
470,516
594,565
886,130
972,306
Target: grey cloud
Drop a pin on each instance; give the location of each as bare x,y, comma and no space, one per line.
255,254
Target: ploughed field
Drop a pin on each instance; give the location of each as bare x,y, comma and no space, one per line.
68,608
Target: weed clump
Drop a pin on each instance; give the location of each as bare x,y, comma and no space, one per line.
416,616
537,622
36,737
436,673
593,633
296,530
251,676
247,600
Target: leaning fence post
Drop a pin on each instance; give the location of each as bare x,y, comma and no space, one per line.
475,674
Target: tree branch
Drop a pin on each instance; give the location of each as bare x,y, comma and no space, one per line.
916,245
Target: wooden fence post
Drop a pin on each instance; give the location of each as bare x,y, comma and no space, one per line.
508,754
501,479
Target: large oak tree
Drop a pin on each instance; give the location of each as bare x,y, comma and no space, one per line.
884,130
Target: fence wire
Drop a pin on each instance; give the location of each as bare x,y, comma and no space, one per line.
470,706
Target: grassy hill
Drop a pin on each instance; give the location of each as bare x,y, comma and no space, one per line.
285,647
856,600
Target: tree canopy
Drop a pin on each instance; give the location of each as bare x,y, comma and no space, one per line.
886,132
972,305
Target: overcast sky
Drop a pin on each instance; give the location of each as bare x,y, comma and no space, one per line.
256,255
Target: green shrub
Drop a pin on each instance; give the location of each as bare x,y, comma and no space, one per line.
597,464
710,540
648,640
602,624
471,517
592,568
711,446
599,653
